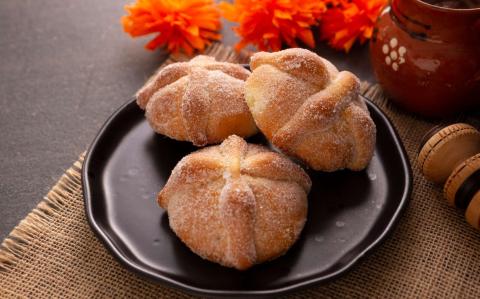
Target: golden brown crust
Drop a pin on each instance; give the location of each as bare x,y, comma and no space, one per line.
201,101
166,76
236,204
310,110
237,207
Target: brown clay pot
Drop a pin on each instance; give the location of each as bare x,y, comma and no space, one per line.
427,57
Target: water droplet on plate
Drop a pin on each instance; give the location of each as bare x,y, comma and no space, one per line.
132,171
319,239
148,196
372,176
156,242
340,224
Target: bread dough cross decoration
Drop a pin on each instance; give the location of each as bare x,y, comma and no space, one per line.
310,110
201,101
241,204
252,207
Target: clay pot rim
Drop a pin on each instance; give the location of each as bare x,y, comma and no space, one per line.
446,9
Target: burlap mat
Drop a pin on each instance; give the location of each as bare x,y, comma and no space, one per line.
432,252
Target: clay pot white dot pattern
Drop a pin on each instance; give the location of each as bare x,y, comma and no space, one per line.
394,54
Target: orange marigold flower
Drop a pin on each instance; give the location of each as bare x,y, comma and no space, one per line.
347,20
269,23
186,25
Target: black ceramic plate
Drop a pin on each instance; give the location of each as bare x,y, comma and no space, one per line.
349,212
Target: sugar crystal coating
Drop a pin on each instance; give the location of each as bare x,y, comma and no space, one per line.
201,101
236,204
310,110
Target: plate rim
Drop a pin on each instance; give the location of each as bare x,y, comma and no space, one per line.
158,277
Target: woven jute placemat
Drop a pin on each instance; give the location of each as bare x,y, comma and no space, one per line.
431,253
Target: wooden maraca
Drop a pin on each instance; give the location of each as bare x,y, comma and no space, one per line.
451,154
462,189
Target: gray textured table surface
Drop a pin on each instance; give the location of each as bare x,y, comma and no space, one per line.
65,66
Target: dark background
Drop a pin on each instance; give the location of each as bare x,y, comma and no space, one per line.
65,66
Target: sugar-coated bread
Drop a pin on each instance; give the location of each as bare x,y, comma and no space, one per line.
236,204
201,101
310,110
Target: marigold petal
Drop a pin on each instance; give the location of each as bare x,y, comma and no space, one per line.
303,24
367,32
269,35
306,36
229,11
268,24
282,14
184,25
346,21
240,45
209,35
193,30
154,43
195,41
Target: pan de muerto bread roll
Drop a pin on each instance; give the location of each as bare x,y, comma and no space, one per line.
201,101
236,204
310,110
